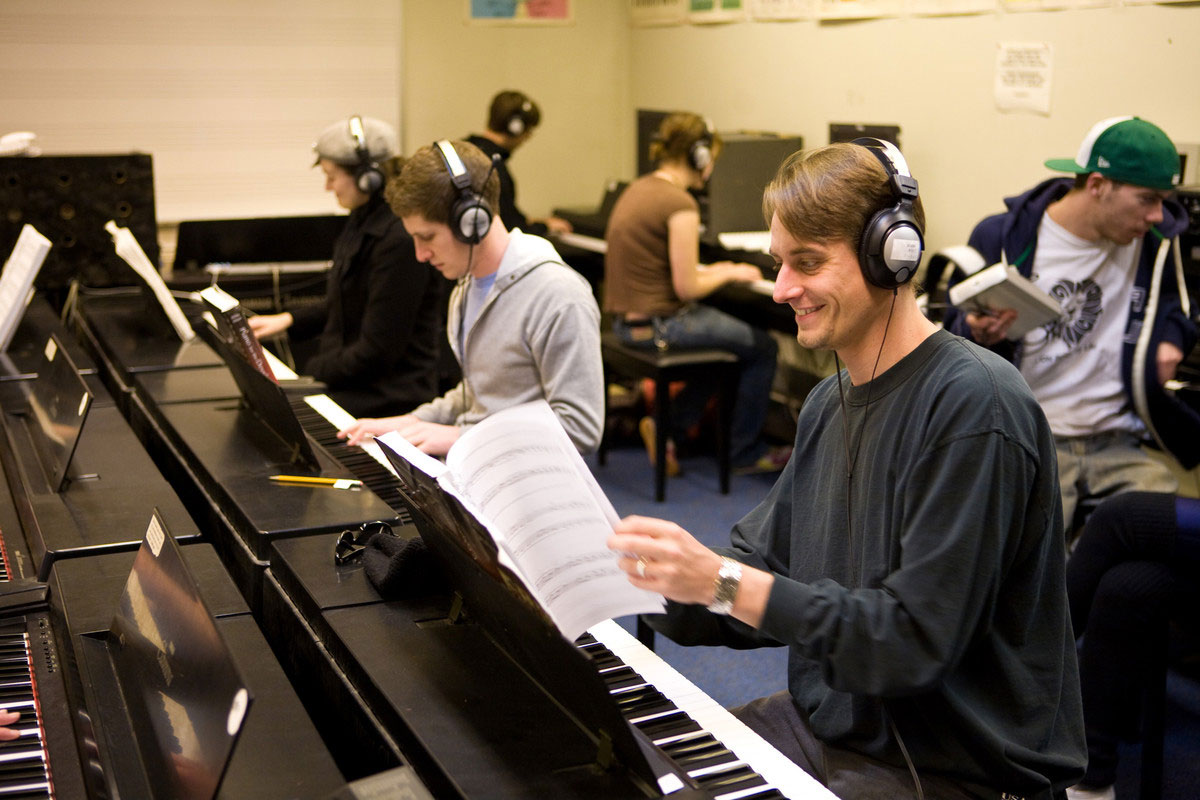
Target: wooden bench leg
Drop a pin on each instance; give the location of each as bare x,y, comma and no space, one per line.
662,423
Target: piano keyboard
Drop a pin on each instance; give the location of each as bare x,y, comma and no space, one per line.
23,761
322,418
712,746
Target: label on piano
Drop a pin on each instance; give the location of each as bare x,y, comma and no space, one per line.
155,536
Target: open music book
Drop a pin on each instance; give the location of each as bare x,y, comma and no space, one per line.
1001,286
521,478
229,318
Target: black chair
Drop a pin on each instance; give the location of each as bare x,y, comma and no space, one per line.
713,366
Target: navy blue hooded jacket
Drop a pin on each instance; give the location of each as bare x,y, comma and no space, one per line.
1156,294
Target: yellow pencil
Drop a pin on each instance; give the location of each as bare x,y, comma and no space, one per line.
337,483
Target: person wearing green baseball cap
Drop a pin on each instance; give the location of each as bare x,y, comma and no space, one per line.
1104,244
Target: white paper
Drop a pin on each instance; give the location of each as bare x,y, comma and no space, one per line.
1023,74
519,475
16,282
128,248
782,9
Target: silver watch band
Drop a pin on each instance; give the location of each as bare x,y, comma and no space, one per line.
725,588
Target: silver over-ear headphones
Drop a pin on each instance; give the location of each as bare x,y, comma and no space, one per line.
470,214
889,251
368,177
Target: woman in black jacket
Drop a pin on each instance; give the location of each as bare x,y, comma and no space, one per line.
380,329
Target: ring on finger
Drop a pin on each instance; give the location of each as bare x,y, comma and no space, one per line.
641,567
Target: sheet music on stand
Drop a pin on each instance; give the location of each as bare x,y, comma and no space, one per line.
16,281
133,254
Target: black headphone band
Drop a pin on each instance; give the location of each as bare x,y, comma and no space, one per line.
892,242
367,175
470,215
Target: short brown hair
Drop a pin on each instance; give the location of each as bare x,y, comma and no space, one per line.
827,194
677,133
424,186
509,105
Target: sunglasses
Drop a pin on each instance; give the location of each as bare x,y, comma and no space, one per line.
352,541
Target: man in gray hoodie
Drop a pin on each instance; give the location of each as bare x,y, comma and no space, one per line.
522,324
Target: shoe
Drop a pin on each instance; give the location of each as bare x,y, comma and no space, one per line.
1081,792
648,431
774,460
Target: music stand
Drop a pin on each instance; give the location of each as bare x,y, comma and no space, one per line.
59,400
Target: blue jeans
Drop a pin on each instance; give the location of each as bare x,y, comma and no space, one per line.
699,326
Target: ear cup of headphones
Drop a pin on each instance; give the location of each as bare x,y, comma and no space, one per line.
368,178
367,175
890,249
470,218
700,154
470,214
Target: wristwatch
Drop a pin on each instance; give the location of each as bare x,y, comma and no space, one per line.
725,587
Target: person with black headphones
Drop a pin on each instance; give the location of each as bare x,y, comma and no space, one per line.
910,554
653,278
523,325
512,117
379,329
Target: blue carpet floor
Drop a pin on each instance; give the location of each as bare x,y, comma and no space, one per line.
733,677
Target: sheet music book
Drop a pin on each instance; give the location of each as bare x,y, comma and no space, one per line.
128,249
521,478
16,281
231,324
1002,286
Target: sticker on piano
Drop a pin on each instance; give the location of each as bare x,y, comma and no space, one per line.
155,536
51,349
237,712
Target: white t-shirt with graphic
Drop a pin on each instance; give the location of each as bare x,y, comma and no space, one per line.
1073,364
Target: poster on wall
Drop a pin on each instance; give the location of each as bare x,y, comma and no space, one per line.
658,12
1023,75
520,12
859,9
948,8
707,11
781,9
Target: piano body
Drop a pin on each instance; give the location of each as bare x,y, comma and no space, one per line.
81,542
215,452
102,505
457,694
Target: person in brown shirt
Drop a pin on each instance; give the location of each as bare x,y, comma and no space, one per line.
653,278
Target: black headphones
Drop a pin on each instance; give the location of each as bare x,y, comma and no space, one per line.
891,244
700,154
470,214
517,124
367,175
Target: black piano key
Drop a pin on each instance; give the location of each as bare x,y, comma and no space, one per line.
766,794
729,780
667,725
621,677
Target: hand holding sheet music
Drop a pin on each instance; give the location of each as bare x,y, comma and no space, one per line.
519,475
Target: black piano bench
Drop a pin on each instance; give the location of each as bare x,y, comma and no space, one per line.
713,366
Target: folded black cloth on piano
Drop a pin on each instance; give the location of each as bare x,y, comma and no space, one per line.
399,567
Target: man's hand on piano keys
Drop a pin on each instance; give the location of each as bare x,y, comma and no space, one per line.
428,437
8,718
367,428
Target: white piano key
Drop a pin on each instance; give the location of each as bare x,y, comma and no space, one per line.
337,416
779,771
